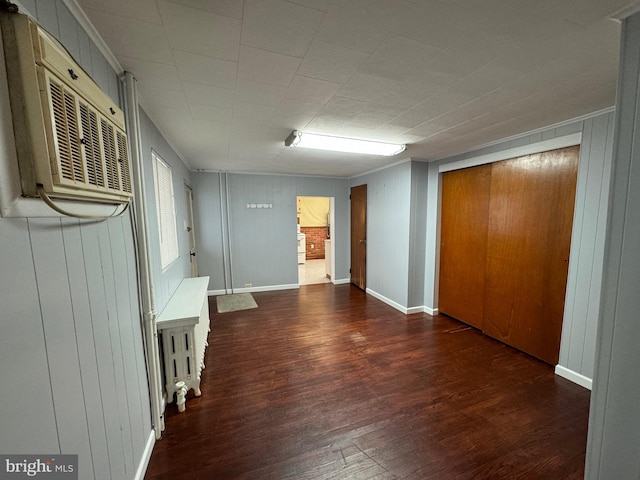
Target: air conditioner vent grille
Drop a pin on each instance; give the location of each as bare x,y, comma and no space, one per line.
91,141
74,139
62,138
110,159
123,160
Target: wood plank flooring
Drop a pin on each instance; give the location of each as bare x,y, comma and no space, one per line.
327,382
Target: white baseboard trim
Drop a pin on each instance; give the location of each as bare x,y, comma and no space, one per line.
386,300
412,310
214,293
341,281
431,311
146,456
574,377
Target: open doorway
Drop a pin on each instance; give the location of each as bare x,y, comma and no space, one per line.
315,240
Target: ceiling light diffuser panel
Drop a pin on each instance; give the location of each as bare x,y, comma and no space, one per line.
341,144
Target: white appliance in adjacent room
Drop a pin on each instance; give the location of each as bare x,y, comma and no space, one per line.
302,248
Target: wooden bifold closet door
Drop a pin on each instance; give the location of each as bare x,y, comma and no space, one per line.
505,240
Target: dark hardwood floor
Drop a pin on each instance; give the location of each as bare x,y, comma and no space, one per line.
327,382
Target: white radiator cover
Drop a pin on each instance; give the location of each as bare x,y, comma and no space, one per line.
184,324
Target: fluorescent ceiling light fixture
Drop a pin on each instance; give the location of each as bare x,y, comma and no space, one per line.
340,144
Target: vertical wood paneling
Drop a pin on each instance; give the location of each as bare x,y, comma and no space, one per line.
101,71
137,342
27,418
84,49
83,323
263,241
133,423
417,232
68,27
48,16
100,304
586,265
588,357
120,392
60,337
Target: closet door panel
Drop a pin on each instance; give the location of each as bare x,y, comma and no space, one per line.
529,235
463,243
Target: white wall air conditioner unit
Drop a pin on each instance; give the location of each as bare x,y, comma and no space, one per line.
70,136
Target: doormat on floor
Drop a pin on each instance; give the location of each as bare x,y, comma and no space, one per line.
235,302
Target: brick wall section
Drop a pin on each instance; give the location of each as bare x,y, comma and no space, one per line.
316,237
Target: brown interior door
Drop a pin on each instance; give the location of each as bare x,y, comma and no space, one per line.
359,236
529,237
463,243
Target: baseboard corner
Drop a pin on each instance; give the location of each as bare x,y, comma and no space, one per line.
574,377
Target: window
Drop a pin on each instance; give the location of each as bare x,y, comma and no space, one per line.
165,210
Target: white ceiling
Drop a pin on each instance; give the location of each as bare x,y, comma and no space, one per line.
226,81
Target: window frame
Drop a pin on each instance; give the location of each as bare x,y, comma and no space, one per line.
165,211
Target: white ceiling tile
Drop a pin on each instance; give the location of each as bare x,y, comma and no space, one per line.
259,93
333,63
279,26
437,23
226,8
266,67
327,124
133,38
485,80
343,107
398,58
197,31
198,93
206,70
290,106
218,131
311,90
253,111
145,10
210,113
355,24
152,74
164,97
441,75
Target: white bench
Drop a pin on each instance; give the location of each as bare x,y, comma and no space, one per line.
184,324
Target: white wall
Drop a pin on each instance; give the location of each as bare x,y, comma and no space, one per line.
259,246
